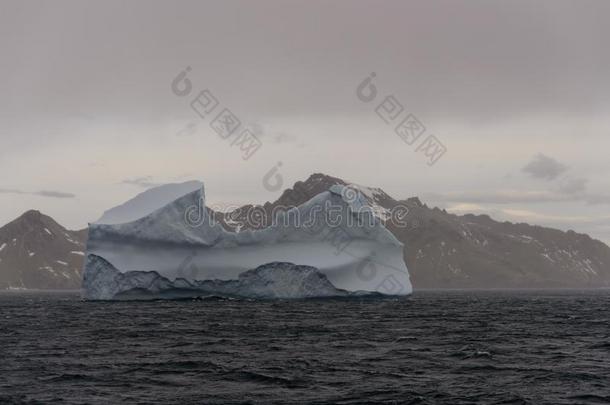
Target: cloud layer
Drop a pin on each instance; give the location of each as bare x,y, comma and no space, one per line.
544,167
42,193
496,82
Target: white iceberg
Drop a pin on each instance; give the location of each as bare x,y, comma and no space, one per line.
332,245
147,201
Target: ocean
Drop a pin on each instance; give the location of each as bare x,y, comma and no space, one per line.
434,347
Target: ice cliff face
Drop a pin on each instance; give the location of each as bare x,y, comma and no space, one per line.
177,251
269,281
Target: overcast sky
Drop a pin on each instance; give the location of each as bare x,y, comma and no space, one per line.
517,92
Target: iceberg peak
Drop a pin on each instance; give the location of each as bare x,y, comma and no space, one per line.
335,233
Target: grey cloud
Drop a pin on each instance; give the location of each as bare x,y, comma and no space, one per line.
541,167
283,137
595,199
54,194
258,129
573,186
12,191
522,66
532,69
501,197
145,182
42,193
544,167
573,190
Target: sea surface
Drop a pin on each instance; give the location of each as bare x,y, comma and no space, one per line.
435,347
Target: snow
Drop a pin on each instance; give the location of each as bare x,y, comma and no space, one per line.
587,267
31,254
47,231
2,247
454,270
60,262
76,252
372,196
48,268
353,258
147,202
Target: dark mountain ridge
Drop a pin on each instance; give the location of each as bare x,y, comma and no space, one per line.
442,250
38,253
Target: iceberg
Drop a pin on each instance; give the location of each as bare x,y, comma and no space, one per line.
333,245
147,202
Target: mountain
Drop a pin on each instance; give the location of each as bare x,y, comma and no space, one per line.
441,250
444,250
38,253
147,202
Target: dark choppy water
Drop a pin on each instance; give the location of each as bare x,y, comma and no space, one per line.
432,348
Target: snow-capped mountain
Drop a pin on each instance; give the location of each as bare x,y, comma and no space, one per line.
38,253
441,250
444,250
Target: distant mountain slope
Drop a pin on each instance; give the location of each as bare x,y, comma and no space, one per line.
443,250
474,251
147,202
38,253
